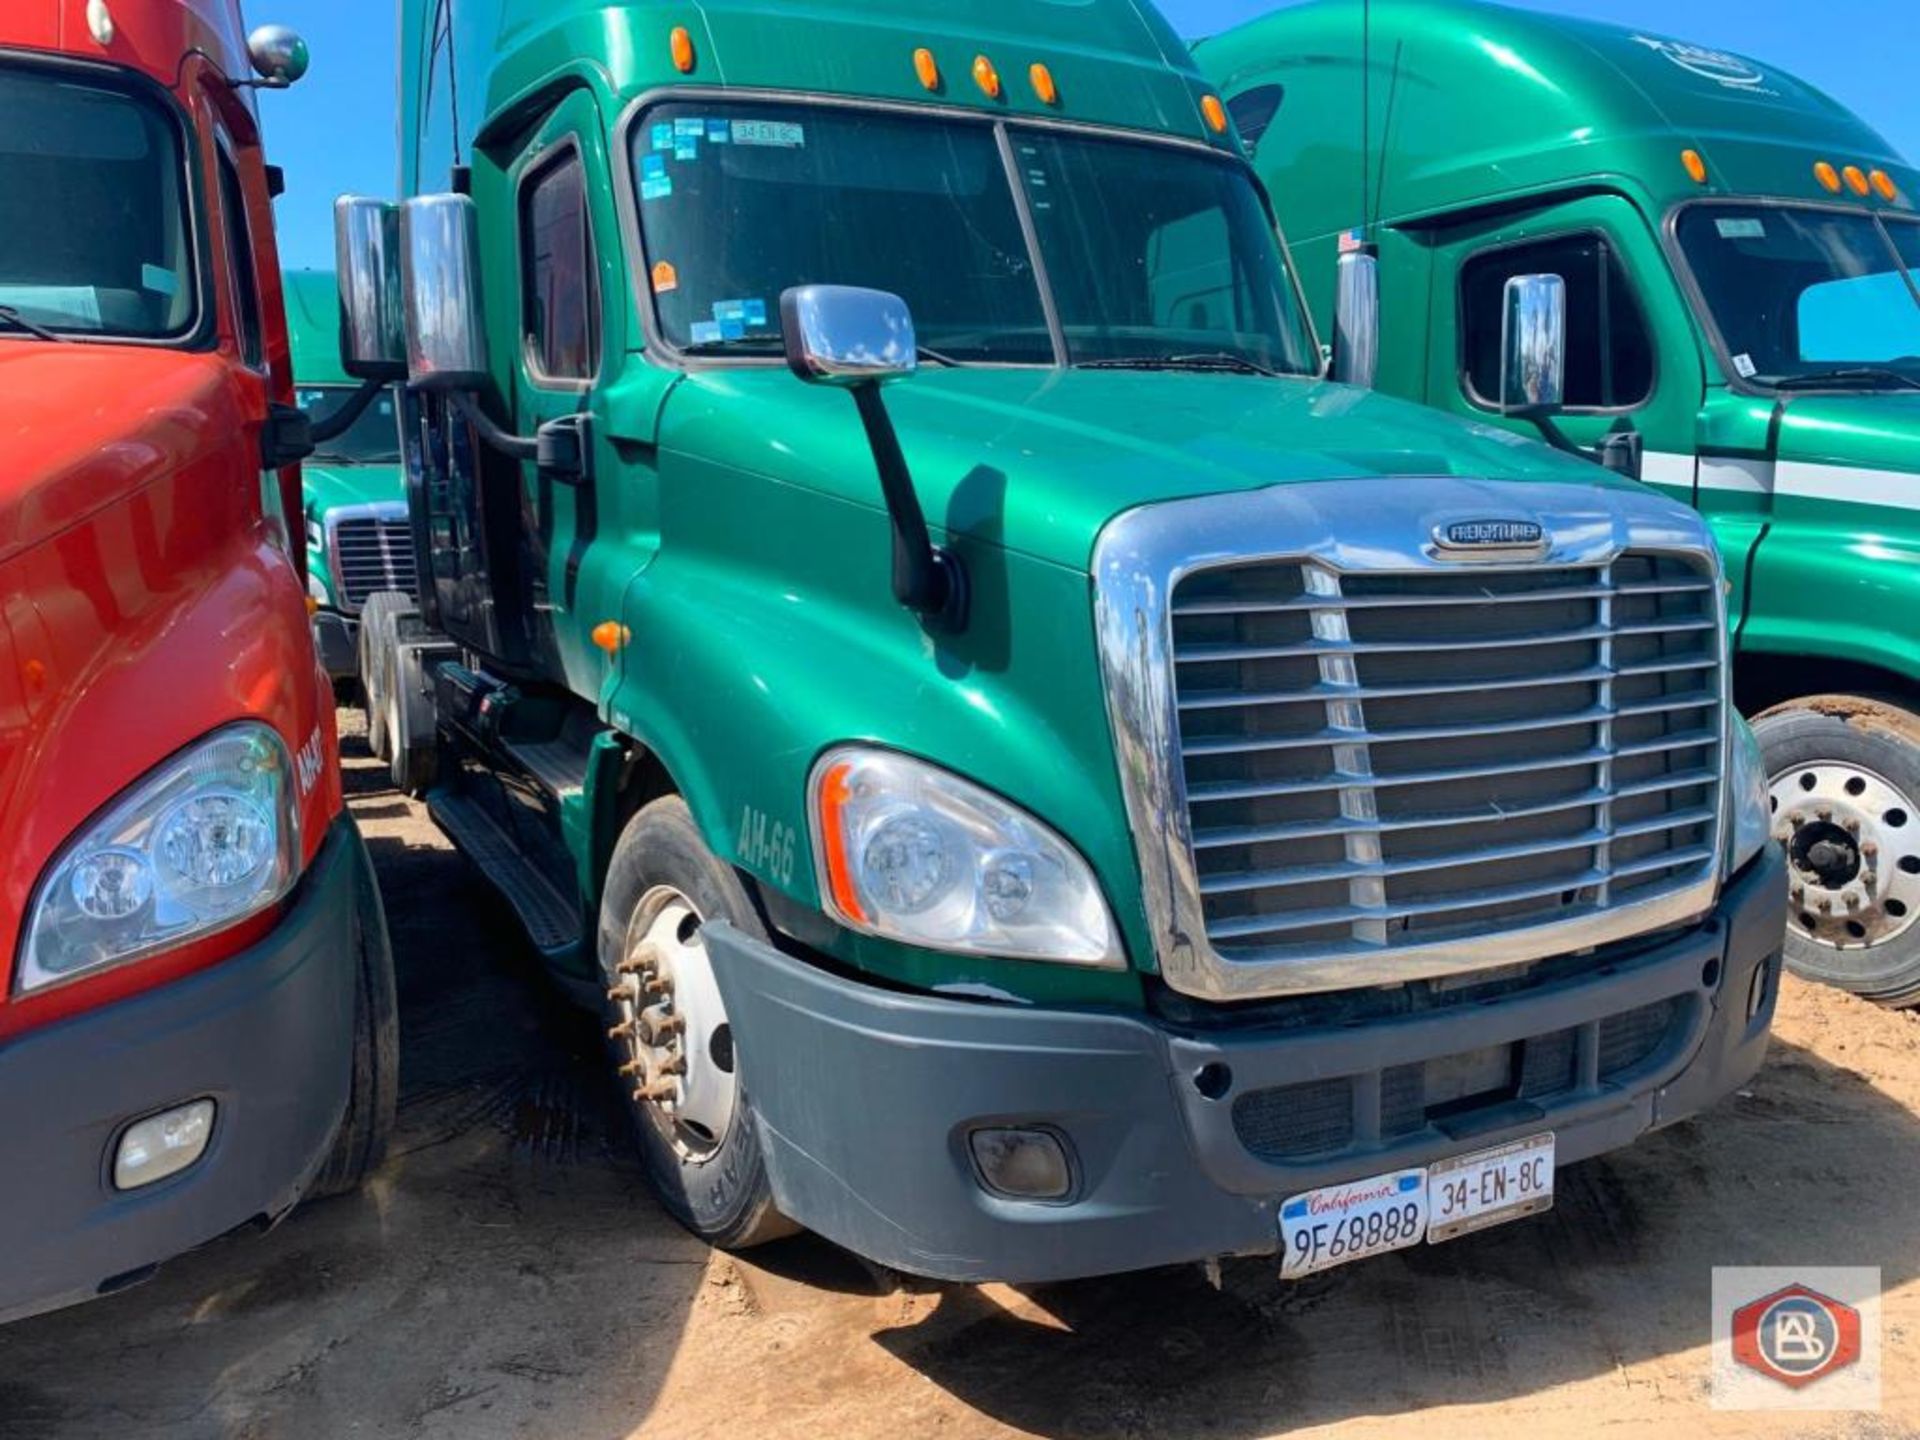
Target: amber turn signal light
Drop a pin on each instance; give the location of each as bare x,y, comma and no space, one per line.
927,68
611,636
1216,114
1828,177
682,45
1695,166
1043,85
986,77
1856,179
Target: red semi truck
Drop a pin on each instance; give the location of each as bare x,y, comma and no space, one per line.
197,1014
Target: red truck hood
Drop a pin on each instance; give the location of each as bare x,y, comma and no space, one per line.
84,425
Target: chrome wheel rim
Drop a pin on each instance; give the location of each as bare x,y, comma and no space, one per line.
1853,853
672,1027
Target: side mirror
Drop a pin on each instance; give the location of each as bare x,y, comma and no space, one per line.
366,252
1533,345
840,335
440,293
279,55
1356,322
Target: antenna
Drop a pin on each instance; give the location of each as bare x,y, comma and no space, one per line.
1366,116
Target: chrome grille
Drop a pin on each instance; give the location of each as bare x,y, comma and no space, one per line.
368,553
1381,760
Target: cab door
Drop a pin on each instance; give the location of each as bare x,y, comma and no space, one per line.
1632,362
566,269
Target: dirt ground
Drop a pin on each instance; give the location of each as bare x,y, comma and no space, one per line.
507,1274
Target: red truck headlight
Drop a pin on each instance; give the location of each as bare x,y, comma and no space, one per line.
202,841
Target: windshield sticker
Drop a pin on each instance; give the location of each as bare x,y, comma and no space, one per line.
1741,229
1728,71
665,278
161,282
663,135
757,313
779,134
719,132
704,332
689,127
1743,362
687,147
657,189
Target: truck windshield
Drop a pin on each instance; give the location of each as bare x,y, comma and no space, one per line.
94,235
1155,254
373,439
1806,298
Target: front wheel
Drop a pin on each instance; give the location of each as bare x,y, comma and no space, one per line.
1844,780
361,1143
670,1036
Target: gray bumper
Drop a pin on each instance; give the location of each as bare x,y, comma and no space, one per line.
865,1098
268,1035
337,638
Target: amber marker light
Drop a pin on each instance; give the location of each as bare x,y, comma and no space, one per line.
611,636
1216,114
986,77
1856,179
833,798
927,68
1043,85
1828,177
682,45
1695,166
1883,185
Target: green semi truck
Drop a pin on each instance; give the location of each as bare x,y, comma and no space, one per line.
1038,781
358,539
1738,260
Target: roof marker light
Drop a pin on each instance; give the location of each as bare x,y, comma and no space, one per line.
611,636
986,77
1216,114
1828,177
1696,167
927,68
1883,184
1043,85
1856,179
682,45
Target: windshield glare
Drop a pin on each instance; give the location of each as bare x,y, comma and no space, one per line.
373,439
1798,293
1152,251
94,238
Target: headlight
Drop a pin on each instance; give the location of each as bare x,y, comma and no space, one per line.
908,851
207,839
1750,807
316,537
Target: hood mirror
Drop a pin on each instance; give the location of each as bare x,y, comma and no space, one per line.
1356,322
280,57
1533,345
366,252
440,293
858,341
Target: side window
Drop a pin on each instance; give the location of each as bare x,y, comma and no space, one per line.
1253,110
1609,350
245,279
1190,273
560,300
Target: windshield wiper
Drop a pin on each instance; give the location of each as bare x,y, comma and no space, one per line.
745,345
1855,374
12,317
1215,360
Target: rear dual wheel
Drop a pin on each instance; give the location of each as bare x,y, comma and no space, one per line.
1844,786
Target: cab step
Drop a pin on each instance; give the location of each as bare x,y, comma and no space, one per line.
552,920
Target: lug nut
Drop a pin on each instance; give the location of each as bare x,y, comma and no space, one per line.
1825,907
1825,812
632,1067
1853,900
1868,848
1852,827
657,1091
623,1031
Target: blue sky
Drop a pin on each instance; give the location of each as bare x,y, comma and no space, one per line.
334,132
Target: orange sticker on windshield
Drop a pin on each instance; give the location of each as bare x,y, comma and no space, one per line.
665,278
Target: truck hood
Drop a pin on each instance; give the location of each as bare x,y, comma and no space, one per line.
1880,431
329,486
1038,461
83,425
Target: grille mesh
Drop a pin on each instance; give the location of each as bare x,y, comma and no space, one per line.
371,554
1382,760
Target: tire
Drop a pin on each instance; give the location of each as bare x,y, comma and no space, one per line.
1844,776
379,627
361,1143
413,736
717,1190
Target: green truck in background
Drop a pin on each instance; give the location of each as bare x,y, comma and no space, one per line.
1038,781
358,540
1739,258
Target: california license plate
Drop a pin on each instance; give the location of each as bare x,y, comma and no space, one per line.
1337,1224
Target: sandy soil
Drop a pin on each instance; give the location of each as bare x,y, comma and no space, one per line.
508,1275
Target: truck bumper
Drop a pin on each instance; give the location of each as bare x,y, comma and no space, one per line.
337,639
1183,1141
267,1035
